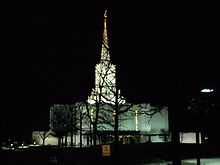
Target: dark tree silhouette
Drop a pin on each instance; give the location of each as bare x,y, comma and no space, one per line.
59,122
44,135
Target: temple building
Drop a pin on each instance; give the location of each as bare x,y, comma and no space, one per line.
143,122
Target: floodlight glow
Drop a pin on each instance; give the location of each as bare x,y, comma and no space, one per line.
148,128
206,90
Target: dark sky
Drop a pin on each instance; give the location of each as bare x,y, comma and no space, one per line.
51,49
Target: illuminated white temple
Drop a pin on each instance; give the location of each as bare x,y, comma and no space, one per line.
141,121
105,75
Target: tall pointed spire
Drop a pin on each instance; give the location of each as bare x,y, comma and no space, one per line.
105,76
105,56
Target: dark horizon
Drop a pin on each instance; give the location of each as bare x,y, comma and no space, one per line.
52,50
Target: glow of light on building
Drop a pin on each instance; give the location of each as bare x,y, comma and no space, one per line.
136,119
206,90
113,115
92,114
189,137
148,128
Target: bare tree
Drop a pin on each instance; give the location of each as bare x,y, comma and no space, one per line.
72,121
95,104
67,119
93,115
148,110
108,105
81,120
58,122
116,110
165,135
44,135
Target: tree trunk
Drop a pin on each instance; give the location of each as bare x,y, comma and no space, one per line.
165,138
62,142
90,135
59,142
173,107
94,134
43,139
116,125
197,142
87,140
149,138
116,131
80,130
176,148
65,140
95,123
71,138
175,132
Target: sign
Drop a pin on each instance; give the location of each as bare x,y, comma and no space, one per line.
106,150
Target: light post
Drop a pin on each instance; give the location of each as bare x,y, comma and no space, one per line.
206,95
205,91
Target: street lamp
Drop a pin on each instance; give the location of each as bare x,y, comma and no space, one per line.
208,91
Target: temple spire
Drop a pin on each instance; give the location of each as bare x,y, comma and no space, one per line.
105,56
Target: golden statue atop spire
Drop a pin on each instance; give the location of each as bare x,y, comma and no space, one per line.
105,20
105,56
105,14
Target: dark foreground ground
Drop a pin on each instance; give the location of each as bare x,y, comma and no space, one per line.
128,154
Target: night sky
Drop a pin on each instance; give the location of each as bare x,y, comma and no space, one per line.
51,50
